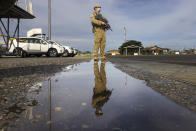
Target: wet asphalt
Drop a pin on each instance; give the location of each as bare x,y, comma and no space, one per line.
98,96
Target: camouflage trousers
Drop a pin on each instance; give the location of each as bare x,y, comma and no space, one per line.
100,77
100,84
100,40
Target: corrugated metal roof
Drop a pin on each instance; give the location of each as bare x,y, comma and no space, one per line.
17,12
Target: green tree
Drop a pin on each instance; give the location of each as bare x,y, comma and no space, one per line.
86,52
130,50
79,52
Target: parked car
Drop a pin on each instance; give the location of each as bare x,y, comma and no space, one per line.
35,46
2,49
57,44
69,51
75,51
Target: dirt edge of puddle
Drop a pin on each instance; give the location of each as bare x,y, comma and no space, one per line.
15,82
177,90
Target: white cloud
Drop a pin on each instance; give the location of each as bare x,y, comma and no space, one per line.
71,22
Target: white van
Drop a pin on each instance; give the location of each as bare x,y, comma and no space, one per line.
35,46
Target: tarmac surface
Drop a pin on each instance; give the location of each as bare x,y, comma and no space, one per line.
177,59
81,94
24,71
18,74
173,76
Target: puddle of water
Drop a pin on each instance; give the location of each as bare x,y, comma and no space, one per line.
97,96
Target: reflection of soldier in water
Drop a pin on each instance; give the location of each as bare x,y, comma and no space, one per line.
101,94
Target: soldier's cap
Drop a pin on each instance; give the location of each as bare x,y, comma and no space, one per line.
97,6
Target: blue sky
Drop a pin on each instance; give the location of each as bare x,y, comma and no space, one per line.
166,23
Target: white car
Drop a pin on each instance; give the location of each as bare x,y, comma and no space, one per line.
57,44
2,49
69,51
35,46
75,51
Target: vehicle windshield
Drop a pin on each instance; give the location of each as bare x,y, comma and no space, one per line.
52,42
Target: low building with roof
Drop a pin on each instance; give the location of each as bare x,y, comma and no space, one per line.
113,52
155,50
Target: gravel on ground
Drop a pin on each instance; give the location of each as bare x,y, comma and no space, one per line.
17,75
176,81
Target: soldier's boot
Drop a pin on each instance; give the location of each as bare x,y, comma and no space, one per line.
95,58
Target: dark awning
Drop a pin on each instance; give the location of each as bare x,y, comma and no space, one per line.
16,12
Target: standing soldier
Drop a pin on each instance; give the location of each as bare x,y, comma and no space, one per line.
99,33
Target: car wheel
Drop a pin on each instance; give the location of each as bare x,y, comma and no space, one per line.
24,54
16,52
70,55
19,52
52,53
66,53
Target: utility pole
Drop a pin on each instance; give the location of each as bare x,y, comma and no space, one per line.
125,37
50,103
49,19
125,34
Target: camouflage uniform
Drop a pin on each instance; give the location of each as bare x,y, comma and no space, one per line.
100,93
100,78
99,36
